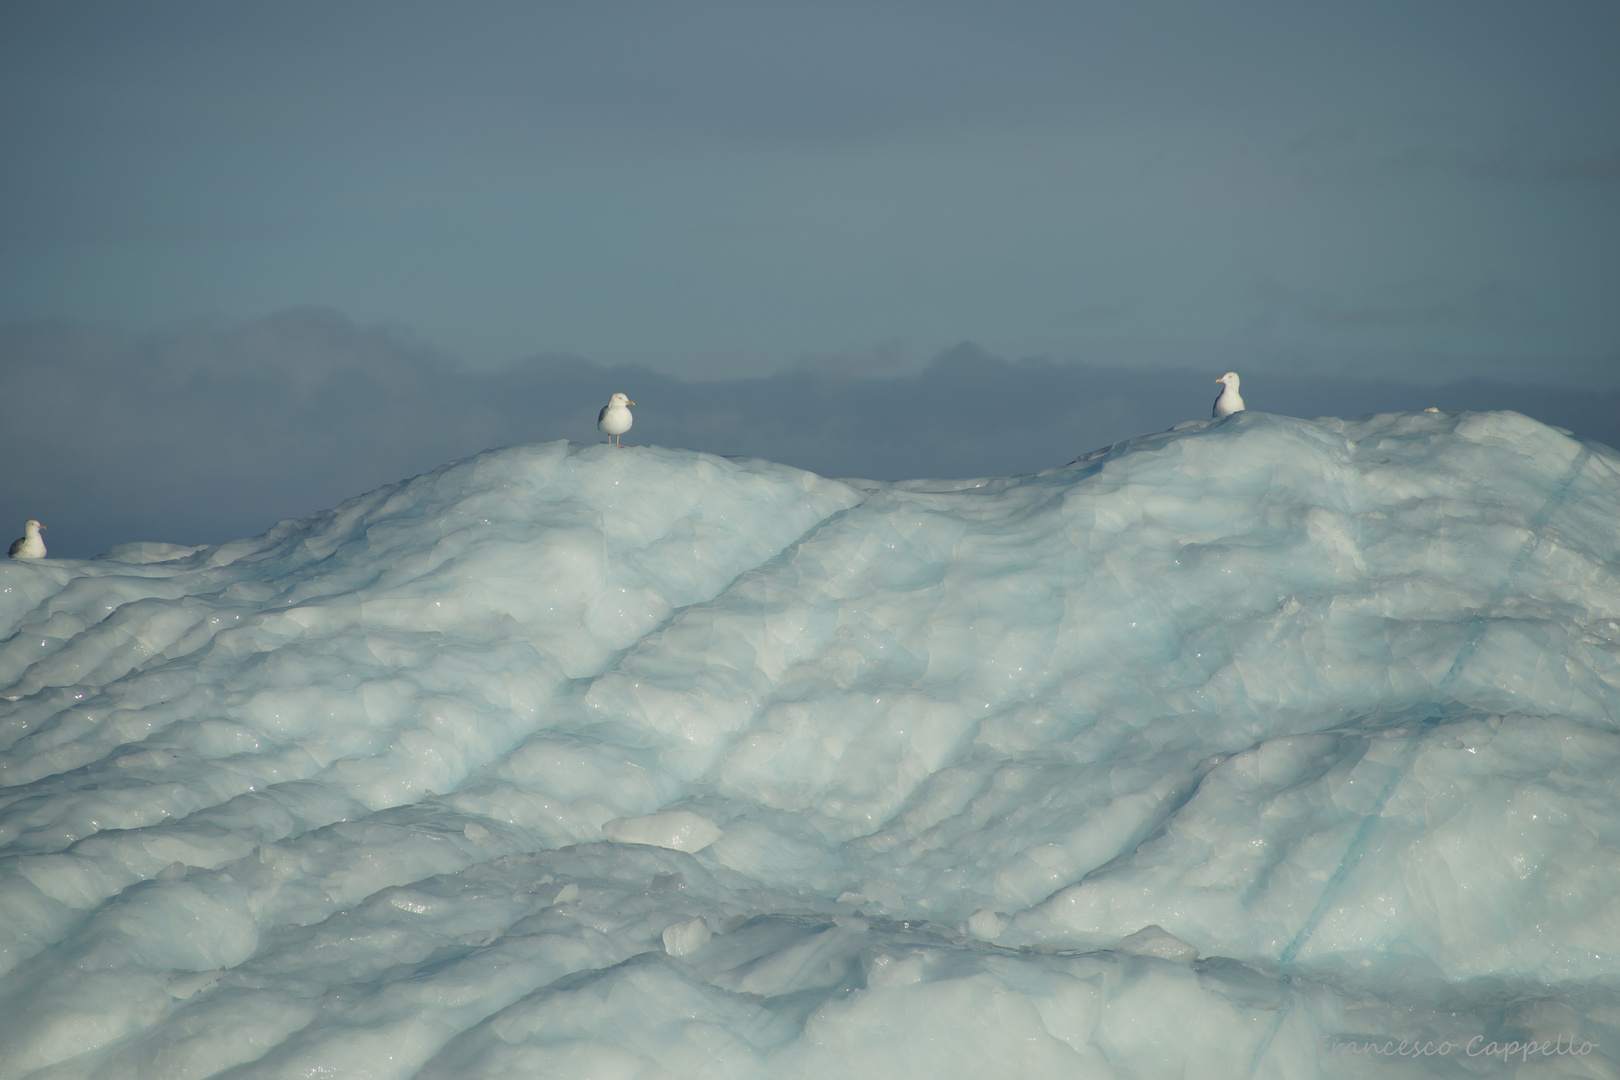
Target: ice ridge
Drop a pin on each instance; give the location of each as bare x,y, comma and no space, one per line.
1192,757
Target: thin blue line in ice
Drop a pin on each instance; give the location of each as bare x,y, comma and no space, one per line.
1476,633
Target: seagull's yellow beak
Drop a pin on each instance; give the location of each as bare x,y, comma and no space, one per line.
1221,379
629,403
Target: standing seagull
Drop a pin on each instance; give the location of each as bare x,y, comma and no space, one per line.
1230,400
614,419
31,545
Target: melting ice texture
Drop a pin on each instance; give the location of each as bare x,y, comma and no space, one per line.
1208,755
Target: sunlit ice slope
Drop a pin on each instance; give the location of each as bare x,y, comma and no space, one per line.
1196,757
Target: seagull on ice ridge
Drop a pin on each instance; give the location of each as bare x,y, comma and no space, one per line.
614,419
1230,400
30,545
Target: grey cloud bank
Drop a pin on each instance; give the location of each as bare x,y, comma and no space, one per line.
215,430
715,189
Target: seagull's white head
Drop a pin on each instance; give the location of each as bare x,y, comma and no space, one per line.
31,523
1230,379
619,399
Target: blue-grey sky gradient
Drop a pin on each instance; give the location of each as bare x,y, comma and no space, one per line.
1423,190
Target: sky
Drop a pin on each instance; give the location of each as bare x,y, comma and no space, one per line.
402,204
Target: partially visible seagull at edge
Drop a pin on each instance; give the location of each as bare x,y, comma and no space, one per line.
1230,400
614,419
30,545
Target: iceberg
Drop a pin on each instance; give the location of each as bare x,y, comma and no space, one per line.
1258,747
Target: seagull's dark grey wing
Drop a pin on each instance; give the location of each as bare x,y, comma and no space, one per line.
16,545
1215,409
600,415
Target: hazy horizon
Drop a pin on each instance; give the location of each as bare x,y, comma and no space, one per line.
213,431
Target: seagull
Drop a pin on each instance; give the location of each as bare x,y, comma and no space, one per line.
614,419
1230,400
31,545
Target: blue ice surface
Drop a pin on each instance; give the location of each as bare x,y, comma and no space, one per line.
1251,748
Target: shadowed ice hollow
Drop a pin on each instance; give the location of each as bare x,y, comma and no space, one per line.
1252,748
